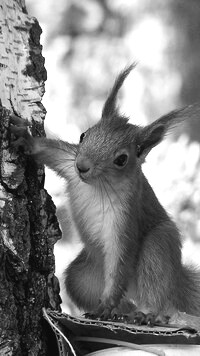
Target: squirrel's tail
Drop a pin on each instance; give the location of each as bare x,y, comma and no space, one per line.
189,291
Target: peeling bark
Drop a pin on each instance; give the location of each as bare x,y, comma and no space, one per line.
29,228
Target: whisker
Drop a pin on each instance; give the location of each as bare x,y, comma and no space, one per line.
63,169
72,180
69,159
68,150
63,160
101,197
106,191
122,201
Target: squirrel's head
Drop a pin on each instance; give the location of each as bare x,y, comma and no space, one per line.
114,147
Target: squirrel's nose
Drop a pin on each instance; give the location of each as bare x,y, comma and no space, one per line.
83,164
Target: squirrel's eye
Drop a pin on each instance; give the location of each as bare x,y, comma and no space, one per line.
121,160
82,137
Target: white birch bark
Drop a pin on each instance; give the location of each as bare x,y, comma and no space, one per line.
28,226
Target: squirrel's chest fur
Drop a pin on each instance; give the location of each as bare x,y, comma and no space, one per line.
100,217
98,211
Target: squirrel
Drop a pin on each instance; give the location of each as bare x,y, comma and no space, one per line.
132,248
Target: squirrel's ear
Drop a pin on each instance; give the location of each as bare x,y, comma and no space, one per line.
110,107
148,138
152,134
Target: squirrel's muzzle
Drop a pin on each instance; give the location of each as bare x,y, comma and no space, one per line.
84,166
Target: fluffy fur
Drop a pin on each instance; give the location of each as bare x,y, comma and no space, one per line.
132,249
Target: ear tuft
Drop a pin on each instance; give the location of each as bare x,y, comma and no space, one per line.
110,104
149,136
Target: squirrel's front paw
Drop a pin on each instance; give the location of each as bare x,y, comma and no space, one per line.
106,311
20,136
103,312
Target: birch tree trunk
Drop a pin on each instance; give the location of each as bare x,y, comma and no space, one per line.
29,228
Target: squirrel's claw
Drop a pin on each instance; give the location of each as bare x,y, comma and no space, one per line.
120,318
107,312
90,315
18,121
18,131
103,312
21,142
149,319
22,138
138,318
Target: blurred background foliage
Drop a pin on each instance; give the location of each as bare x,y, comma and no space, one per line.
86,43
